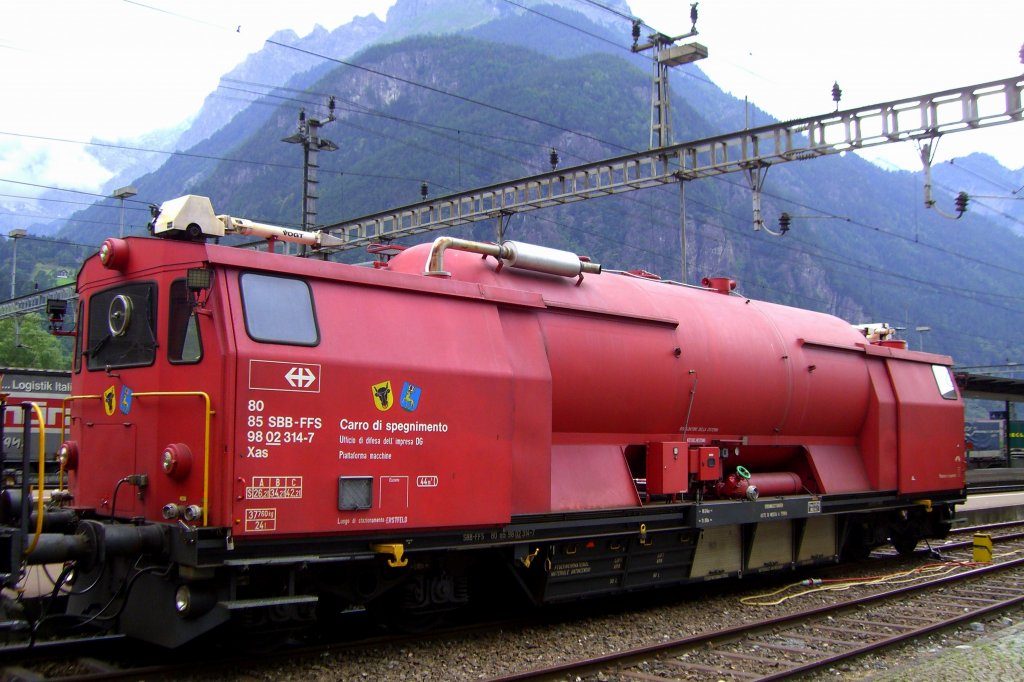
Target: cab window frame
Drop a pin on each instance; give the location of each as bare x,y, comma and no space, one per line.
179,302
944,382
98,333
80,330
265,315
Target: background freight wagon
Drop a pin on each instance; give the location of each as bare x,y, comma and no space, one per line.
47,388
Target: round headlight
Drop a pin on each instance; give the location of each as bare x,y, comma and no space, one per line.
67,455
114,254
119,315
176,461
193,601
183,600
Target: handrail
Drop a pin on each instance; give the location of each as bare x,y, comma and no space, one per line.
206,433
64,411
206,438
42,472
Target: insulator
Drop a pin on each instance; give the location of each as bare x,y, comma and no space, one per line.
302,116
553,158
330,104
423,190
837,93
961,202
636,31
784,221
693,13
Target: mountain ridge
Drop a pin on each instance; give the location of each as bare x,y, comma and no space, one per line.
880,255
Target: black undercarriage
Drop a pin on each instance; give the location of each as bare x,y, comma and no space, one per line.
170,584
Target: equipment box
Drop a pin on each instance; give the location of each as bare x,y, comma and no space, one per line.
668,468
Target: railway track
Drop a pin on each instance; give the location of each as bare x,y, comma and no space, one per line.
815,639
740,647
117,658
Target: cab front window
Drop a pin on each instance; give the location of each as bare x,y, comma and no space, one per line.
122,327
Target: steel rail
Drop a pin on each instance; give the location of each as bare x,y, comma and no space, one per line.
618,659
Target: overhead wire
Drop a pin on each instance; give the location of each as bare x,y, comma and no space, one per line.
359,109
962,167
860,265
376,112
54,217
53,200
179,15
990,209
463,98
370,111
608,9
206,157
787,251
880,230
49,240
437,90
959,292
475,102
61,189
568,25
353,65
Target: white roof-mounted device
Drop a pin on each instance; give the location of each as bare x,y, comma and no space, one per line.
192,217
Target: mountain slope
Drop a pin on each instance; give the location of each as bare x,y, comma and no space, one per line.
884,259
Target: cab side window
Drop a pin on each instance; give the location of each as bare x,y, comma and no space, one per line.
944,382
79,332
184,344
279,310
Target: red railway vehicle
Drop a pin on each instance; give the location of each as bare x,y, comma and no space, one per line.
262,433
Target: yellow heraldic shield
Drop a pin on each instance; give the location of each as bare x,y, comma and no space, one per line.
383,397
110,401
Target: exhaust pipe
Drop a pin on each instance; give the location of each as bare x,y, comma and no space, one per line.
515,255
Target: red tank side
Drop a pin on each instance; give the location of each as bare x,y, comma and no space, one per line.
635,361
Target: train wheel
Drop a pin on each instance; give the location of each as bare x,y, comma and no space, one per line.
425,601
905,542
858,545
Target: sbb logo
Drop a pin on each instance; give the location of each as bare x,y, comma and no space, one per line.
426,481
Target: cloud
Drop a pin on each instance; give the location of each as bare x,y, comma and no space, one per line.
41,162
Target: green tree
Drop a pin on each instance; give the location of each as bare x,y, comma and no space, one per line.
34,346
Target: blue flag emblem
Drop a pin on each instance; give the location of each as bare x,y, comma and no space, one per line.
410,399
126,400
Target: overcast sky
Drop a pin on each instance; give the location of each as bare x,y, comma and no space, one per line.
78,69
